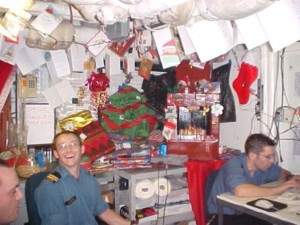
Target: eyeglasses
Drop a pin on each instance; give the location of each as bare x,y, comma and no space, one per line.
72,145
269,157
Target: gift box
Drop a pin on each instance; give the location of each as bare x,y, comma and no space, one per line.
96,140
75,121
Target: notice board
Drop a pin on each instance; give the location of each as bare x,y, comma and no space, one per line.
40,121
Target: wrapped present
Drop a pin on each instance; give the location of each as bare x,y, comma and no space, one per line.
96,140
156,138
129,114
125,96
75,121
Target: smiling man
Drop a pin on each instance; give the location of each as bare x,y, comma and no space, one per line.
70,195
10,194
243,176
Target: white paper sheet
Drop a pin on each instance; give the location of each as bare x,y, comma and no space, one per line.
100,60
281,23
40,119
77,56
211,38
57,63
251,31
28,60
59,93
112,64
186,41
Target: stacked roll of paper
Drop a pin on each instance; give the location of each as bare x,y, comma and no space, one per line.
144,189
162,186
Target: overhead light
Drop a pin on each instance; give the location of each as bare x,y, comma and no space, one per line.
13,22
14,4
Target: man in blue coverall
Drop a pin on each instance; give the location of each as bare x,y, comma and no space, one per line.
70,195
243,176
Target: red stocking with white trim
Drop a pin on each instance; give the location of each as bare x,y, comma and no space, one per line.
247,75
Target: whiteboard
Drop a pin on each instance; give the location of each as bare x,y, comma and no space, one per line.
40,121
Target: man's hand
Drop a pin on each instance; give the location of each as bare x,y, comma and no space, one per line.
295,178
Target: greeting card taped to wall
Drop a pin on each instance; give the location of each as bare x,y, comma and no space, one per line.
47,20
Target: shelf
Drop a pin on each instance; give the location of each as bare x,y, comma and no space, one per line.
169,219
160,170
126,194
106,180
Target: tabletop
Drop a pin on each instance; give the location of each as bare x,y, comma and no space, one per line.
288,215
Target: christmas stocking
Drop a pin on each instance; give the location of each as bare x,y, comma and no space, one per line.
168,130
247,75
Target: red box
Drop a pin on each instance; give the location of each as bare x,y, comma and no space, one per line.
194,150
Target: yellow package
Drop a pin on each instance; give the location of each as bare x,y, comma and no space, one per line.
75,121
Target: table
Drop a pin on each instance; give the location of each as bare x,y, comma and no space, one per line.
281,217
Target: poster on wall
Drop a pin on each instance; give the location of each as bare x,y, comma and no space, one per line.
40,121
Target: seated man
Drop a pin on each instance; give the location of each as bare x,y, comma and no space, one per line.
70,195
243,176
10,194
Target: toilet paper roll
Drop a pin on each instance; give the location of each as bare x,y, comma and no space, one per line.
144,189
162,186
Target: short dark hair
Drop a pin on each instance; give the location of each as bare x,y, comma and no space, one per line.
256,142
65,132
